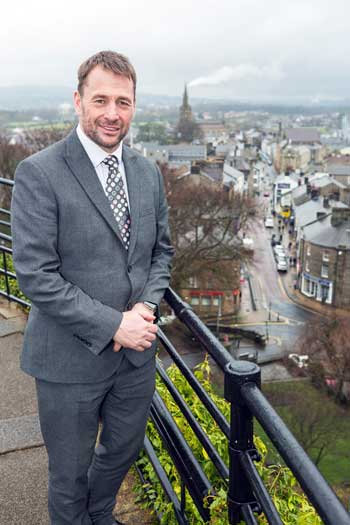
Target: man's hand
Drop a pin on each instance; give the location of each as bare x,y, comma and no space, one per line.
146,313
136,330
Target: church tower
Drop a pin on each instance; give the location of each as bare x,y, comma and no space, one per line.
185,109
186,129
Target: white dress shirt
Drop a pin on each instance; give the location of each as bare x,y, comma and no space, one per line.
97,155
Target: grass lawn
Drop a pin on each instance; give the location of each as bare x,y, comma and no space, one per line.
299,403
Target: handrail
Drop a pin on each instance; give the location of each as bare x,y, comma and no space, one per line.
246,492
242,390
7,182
311,480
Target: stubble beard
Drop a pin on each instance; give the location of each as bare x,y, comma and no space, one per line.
92,131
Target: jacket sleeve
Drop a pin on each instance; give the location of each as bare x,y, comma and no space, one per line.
159,276
37,263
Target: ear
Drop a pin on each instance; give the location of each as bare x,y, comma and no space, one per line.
77,102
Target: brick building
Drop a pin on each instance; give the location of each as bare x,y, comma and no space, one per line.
209,297
324,259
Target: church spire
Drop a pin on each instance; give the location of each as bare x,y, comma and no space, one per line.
185,109
185,103
186,129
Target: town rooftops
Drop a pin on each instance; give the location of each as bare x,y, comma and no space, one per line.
338,169
302,135
324,232
317,181
178,150
306,213
325,180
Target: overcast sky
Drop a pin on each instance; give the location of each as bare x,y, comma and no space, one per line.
225,48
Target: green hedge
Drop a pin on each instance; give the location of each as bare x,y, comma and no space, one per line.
14,288
292,505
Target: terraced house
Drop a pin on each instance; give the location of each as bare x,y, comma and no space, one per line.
324,258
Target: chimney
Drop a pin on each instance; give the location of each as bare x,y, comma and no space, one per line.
306,180
325,202
340,215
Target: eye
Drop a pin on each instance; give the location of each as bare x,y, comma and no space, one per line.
124,103
99,101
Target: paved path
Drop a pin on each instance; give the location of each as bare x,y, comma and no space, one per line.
23,460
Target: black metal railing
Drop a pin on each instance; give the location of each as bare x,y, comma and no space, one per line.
246,492
6,253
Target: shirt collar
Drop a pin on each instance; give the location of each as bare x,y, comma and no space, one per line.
95,153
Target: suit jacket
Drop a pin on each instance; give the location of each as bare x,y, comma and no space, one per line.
72,265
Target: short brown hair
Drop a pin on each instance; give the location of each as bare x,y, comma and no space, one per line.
110,60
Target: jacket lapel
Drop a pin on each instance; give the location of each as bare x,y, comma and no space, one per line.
82,168
133,177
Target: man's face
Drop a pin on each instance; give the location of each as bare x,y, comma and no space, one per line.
106,107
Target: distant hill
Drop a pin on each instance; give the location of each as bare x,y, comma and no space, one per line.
19,98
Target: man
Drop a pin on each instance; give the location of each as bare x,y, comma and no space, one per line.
92,252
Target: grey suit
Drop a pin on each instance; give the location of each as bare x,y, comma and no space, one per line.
71,263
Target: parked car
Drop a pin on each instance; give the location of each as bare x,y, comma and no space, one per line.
279,250
301,361
269,222
282,265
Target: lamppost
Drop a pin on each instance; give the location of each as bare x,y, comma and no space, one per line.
218,317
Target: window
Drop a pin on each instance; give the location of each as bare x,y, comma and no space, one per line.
308,250
192,281
325,257
206,300
309,287
216,300
324,270
195,300
307,267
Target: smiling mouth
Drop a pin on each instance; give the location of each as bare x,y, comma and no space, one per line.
110,129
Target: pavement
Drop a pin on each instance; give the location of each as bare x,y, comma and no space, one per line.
23,459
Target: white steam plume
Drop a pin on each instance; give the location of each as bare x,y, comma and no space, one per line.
240,72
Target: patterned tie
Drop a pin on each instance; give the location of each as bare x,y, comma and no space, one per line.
117,198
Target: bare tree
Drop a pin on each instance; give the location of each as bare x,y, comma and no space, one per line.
204,225
10,155
39,138
315,426
13,150
327,341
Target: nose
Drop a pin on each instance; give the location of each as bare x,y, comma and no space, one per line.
112,111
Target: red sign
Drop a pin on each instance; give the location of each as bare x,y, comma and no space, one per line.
205,292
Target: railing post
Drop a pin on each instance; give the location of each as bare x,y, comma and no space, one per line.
240,493
8,291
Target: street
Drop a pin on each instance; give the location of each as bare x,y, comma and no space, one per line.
279,318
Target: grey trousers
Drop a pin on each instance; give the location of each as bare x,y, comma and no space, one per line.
84,480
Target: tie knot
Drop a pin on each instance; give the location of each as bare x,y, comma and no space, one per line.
111,161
